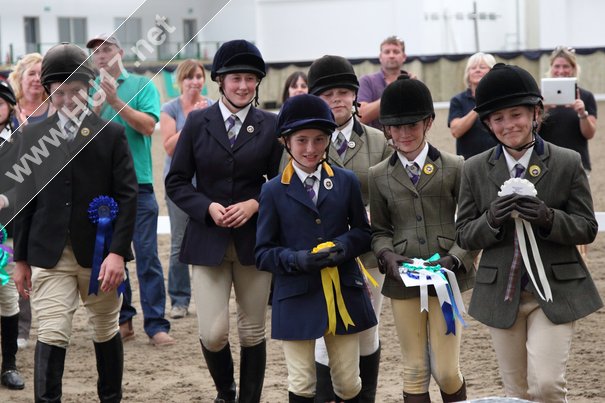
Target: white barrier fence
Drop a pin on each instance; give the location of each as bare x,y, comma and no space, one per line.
164,223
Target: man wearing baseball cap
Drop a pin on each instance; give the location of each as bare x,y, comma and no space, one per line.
134,102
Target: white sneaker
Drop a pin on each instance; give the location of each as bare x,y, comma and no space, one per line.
178,312
22,344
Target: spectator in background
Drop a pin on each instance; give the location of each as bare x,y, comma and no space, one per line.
570,126
392,56
470,134
33,105
296,84
190,78
134,102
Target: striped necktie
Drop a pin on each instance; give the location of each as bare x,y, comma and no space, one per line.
232,129
341,145
309,182
515,266
413,171
70,129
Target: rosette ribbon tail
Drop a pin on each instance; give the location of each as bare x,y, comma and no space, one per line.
522,226
102,242
6,254
101,211
330,281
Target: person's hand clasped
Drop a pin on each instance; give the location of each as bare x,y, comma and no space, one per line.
309,262
239,214
389,262
500,210
337,254
217,212
534,210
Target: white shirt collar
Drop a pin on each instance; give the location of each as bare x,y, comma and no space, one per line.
511,161
346,131
241,114
63,119
302,175
420,158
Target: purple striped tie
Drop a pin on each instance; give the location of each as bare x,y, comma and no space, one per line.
515,266
341,144
231,120
413,171
309,182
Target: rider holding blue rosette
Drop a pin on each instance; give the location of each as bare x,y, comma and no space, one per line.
413,199
73,237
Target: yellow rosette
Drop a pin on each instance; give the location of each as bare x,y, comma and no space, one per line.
330,281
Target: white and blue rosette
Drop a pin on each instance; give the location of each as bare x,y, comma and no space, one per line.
526,188
102,211
417,274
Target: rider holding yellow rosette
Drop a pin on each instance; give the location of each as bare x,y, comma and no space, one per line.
312,225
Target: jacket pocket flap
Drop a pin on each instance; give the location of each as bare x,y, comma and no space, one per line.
298,287
568,271
445,243
486,274
400,246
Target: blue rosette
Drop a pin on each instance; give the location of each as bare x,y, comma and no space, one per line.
102,211
6,254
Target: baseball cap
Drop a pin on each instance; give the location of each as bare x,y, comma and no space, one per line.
104,37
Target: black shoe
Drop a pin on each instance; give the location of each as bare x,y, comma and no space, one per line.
12,379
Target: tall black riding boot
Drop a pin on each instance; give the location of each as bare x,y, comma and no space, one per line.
368,372
324,391
292,398
220,365
49,362
252,372
110,367
457,396
9,331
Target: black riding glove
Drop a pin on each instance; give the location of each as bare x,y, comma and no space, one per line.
308,262
500,210
534,210
389,262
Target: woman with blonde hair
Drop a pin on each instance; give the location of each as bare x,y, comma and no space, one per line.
32,101
190,79
471,137
570,126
